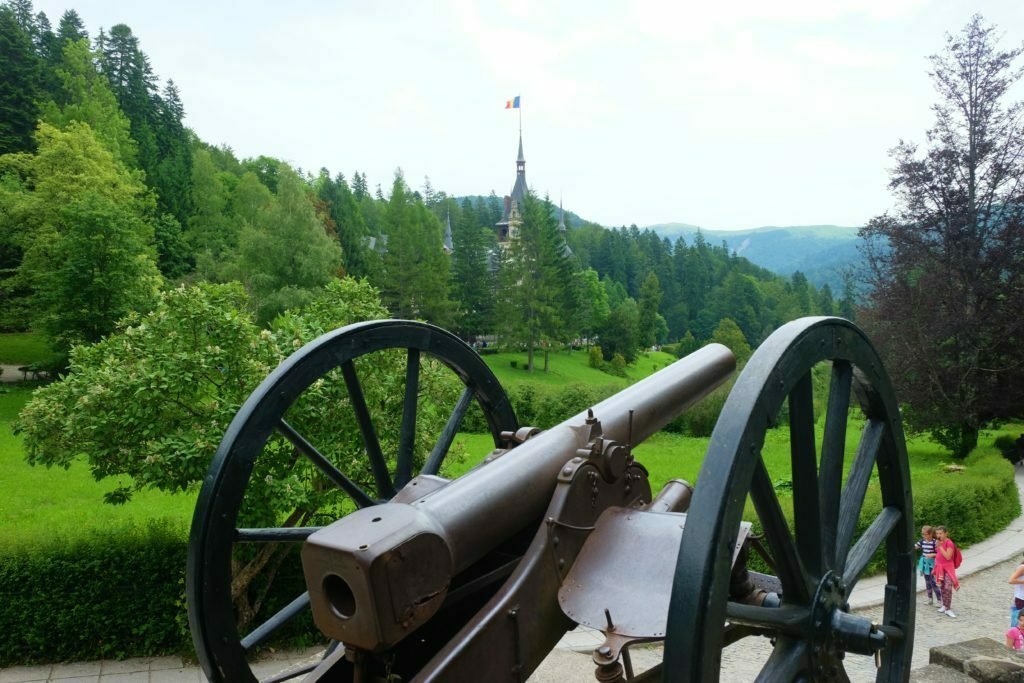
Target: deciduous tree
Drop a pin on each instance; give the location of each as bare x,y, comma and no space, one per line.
946,266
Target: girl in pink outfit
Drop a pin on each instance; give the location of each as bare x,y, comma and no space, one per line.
945,572
1015,636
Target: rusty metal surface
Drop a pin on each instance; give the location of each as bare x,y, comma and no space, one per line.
626,567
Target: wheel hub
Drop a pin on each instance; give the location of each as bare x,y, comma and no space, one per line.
834,631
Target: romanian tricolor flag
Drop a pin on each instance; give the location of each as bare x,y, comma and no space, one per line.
513,103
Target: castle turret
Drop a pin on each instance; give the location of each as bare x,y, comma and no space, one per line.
508,226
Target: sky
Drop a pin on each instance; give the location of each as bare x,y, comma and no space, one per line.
724,115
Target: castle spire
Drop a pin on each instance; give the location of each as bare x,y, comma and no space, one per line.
563,231
448,247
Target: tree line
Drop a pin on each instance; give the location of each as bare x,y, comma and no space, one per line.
106,197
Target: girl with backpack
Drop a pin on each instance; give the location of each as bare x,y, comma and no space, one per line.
947,559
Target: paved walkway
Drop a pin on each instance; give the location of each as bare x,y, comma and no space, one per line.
981,605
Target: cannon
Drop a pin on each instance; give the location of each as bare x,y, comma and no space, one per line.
414,576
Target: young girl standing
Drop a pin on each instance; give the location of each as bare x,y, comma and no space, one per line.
926,564
945,570
1015,636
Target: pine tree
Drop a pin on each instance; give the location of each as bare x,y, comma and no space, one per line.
71,28
532,282
650,299
19,85
414,282
472,278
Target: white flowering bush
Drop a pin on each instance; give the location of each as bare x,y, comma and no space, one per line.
149,404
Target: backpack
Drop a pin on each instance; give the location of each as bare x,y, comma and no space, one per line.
958,557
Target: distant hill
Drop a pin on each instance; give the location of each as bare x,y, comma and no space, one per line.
820,252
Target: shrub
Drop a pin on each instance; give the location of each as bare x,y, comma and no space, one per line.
108,593
514,363
595,358
617,365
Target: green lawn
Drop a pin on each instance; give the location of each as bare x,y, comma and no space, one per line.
22,348
39,502
566,367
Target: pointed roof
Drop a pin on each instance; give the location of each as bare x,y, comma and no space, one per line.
519,189
448,234
563,231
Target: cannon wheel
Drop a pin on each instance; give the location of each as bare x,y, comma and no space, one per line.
222,652
817,562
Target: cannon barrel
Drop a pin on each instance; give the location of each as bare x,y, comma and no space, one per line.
490,503
380,572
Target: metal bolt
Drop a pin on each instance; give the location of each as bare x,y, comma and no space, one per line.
566,470
604,651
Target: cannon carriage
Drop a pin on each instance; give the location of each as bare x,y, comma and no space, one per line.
477,578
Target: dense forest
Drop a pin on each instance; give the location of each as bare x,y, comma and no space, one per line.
106,197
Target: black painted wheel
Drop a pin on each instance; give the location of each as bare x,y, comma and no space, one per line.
816,559
266,454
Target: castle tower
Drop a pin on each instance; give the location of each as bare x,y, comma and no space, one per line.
448,246
563,231
508,226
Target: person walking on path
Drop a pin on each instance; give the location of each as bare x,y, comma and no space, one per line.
945,569
1017,581
926,565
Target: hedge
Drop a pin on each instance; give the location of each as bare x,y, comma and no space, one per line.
973,499
109,593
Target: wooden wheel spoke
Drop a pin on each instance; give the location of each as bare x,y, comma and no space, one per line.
407,435
806,512
378,465
776,531
787,619
867,544
361,498
295,534
267,628
852,499
444,442
830,476
788,659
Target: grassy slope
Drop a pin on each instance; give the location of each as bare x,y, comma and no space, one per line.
570,366
39,502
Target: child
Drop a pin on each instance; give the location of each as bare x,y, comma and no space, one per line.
926,564
945,569
1015,636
